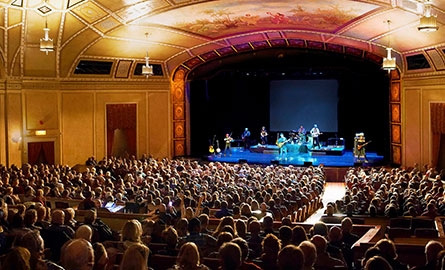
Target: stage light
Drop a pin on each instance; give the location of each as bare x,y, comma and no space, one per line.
428,22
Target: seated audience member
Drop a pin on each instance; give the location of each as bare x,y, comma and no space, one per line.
224,211
17,259
225,221
57,234
87,203
320,228
69,218
131,233
369,253
298,235
30,220
285,235
241,228
230,256
245,265
171,238
431,211
267,226
206,242
388,251
310,254
335,244
432,250
291,258
182,226
323,257
377,263
255,238
100,257
188,258
204,223
84,232
348,237
101,231
271,246
77,254
41,218
135,258
33,242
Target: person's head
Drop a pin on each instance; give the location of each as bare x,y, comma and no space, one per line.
281,135
84,232
188,256
131,231
194,225
320,228
369,253
69,215
377,263
41,213
285,234
310,253
230,256
291,258
346,225
335,234
33,242
135,258
100,256
387,248
432,249
271,245
17,259
77,254
243,246
224,237
298,235
30,217
254,227
90,217
320,243
58,217
170,236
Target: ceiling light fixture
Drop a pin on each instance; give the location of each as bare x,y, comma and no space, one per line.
147,69
389,63
46,43
428,22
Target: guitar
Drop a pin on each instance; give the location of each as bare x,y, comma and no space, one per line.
211,148
283,143
363,145
218,150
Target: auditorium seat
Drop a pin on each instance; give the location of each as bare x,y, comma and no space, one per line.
424,223
163,262
400,223
426,233
399,232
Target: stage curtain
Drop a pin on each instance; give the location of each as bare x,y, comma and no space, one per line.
33,152
437,128
121,116
48,150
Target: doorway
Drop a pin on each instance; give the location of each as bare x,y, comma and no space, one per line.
41,153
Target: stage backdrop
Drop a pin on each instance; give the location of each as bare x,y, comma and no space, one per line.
303,102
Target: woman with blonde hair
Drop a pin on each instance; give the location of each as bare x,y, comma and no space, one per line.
135,258
188,258
131,233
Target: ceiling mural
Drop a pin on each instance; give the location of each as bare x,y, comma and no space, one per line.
221,18
189,32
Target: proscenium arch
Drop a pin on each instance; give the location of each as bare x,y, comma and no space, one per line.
180,102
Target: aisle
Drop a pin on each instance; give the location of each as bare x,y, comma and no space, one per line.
333,191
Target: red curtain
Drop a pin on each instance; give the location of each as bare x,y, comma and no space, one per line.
121,116
48,150
437,128
33,152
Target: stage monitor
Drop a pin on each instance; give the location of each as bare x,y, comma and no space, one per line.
303,102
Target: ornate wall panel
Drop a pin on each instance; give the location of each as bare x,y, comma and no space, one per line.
179,121
395,118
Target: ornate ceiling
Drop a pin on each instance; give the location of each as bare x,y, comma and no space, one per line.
180,30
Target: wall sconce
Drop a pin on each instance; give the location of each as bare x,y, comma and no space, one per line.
40,132
16,138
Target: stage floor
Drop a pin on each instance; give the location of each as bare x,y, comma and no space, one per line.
346,160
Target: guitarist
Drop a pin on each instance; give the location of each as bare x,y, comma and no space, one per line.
281,142
246,138
228,140
263,137
315,132
361,147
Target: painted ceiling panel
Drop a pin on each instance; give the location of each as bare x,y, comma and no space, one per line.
71,26
89,11
206,48
14,16
156,34
246,38
2,17
221,18
375,25
135,11
33,63
14,35
115,5
107,24
123,49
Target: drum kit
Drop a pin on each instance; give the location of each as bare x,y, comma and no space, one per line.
299,138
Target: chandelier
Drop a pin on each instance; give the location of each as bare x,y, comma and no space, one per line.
389,63
428,22
46,43
147,69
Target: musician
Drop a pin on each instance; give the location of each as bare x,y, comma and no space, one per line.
361,145
302,134
315,132
263,135
282,141
228,140
246,138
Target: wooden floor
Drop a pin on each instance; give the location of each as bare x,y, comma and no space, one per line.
332,191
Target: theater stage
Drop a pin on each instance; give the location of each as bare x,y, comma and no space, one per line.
294,158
